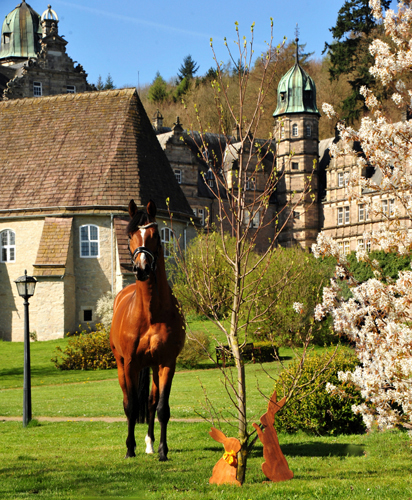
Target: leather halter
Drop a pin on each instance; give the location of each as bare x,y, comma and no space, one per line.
143,250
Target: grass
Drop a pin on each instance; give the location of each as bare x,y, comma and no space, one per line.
72,460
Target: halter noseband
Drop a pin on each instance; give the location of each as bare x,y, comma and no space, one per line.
143,249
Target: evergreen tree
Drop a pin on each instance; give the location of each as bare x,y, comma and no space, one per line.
99,84
109,84
158,89
188,69
349,55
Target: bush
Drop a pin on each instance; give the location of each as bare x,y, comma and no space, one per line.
104,310
264,352
314,410
87,351
194,350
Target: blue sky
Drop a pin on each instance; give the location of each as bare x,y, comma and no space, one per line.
133,39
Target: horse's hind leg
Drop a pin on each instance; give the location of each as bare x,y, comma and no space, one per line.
153,401
163,408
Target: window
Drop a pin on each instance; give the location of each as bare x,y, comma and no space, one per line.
343,215
295,130
347,215
71,89
201,215
295,165
346,247
296,215
283,97
368,246
255,220
340,247
340,216
8,246
282,132
6,38
87,315
340,179
250,184
37,89
361,213
391,207
308,131
385,207
178,175
360,245
166,236
89,241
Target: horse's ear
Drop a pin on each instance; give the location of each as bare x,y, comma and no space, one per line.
132,208
151,209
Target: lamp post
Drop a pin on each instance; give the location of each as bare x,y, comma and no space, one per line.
25,287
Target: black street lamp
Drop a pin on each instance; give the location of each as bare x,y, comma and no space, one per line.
25,287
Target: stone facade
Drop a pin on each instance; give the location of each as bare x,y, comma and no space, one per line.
38,64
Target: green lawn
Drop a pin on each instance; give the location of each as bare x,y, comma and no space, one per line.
70,460
74,460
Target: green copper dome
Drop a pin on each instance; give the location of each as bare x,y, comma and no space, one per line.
21,33
296,92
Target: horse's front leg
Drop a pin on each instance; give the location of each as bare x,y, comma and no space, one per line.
163,409
130,404
153,401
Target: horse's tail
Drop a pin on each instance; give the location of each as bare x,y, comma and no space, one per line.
143,396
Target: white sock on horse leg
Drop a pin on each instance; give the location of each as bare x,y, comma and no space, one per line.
149,445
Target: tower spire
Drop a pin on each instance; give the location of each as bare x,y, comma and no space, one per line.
297,43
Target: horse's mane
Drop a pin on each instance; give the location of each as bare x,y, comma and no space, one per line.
139,219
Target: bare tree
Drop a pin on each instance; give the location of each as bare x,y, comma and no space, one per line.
244,184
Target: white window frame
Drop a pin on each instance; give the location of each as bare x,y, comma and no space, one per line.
385,207
361,244
91,242
10,248
295,130
178,175
255,222
71,89
346,247
282,131
341,179
340,216
391,207
167,239
37,89
361,212
347,215
368,246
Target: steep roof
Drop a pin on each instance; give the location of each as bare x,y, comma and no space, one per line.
78,150
54,247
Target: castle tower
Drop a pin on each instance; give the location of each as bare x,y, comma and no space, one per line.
49,21
296,130
20,35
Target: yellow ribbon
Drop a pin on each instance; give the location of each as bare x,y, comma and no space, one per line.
230,458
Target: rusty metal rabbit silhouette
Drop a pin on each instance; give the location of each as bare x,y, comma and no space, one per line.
225,469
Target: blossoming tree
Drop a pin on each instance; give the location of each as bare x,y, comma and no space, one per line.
378,316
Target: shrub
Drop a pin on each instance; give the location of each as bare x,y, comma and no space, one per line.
315,410
87,351
265,351
194,350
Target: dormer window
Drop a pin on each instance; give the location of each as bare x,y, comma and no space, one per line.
6,38
71,89
283,97
37,89
295,130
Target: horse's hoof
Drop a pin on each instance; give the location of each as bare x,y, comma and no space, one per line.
130,454
162,458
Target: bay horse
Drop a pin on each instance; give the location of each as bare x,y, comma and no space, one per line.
147,330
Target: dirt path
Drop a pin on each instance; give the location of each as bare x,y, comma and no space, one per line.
90,419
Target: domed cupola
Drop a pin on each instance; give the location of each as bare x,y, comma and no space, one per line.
20,34
296,91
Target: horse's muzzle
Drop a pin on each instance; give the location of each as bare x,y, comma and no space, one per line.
141,274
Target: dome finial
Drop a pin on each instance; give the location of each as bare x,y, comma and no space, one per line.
297,43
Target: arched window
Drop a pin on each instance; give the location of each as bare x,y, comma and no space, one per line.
308,130
89,241
166,236
8,246
294,130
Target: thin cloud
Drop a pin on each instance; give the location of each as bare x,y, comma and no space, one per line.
133,20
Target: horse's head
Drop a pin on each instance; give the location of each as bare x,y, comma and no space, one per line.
144,240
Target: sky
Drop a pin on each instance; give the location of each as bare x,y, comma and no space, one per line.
133,39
